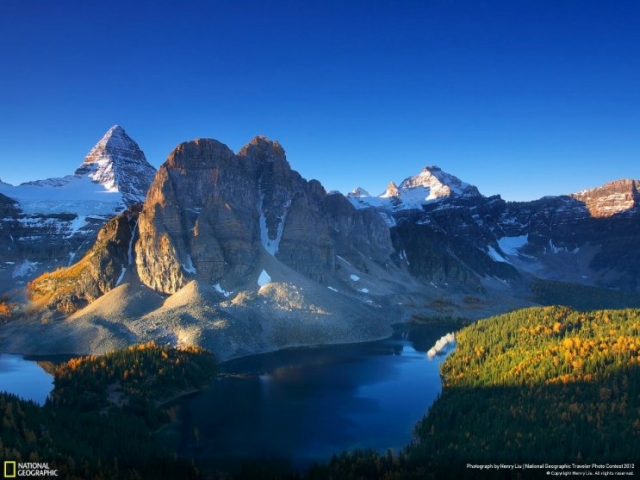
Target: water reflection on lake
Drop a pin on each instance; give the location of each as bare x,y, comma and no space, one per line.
303,405
24,378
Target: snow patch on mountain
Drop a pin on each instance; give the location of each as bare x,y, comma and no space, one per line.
496,256
76,225
264,278
70,194
554,249
24,269
188,266
121,277
219,289
512,245
271,245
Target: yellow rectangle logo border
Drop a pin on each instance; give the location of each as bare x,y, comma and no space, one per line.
6,470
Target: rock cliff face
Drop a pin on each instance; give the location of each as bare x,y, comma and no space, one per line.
611,198
209,214
99,271
178,223
591,237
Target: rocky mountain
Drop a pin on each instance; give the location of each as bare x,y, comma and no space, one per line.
445,230
99,271
610,199
117,163
53,222
210,212
238,253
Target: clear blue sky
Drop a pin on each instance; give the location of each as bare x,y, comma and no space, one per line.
521,98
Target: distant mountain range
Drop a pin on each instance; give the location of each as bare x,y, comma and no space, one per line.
239,253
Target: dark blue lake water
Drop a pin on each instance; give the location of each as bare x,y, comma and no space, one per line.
302,405
24,378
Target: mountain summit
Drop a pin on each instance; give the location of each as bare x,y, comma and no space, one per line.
431,184
438,184
118,164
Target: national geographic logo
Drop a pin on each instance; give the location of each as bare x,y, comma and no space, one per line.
13,469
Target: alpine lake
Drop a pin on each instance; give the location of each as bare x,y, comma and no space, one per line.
292,407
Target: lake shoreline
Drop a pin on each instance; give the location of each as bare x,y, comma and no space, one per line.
303,405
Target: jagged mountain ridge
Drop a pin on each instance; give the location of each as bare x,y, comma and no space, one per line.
118,164
263,258
53,222
587,237
430,185
115,164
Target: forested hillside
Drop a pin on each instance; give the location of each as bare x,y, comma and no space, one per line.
99,420
540,385
543,384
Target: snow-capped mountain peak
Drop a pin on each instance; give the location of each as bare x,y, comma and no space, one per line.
114,175
359,192
439,183
118,164
391,191
431,184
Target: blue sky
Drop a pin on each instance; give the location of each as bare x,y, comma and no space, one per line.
520,98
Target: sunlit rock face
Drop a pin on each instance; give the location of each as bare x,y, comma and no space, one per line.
187,224
210,213
100,270
611,198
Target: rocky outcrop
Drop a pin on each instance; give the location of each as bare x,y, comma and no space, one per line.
444,230
210,212
438,184
431,185
213,216
611,198
357,232
100,270
9,213
188,227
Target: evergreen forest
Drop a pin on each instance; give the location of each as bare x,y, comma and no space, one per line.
99,421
